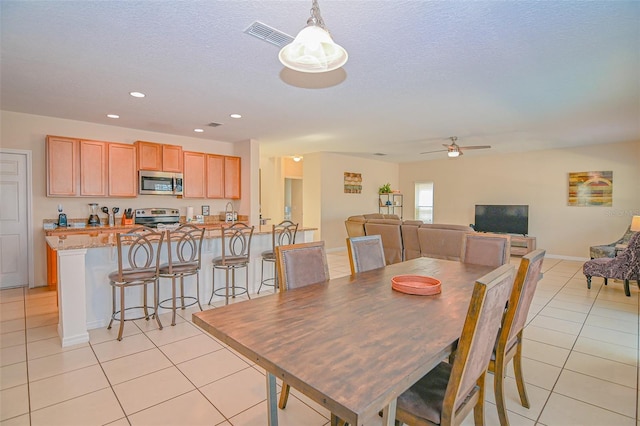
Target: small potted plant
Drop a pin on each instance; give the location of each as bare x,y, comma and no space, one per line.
385,189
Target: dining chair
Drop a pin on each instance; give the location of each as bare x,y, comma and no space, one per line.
509,343
625,266
139,266
184,249
485,249
235,242
300,265
365,253
447,394
282,234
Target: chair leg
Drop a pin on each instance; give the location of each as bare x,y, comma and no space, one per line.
478,410
198,289
120,330
182,292
627,291
226,286
113,305
173,300
517,367
498,384
588,282
606,282
213,285
246,281
144,302
261,276
284,396
156,302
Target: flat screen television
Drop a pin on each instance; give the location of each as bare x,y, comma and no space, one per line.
506,219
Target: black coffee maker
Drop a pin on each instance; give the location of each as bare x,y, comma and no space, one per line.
62,218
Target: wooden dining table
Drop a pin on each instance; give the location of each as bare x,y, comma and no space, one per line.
352,344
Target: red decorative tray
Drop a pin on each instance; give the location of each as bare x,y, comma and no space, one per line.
416,284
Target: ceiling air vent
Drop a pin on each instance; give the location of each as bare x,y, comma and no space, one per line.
380,154
268,34
213,124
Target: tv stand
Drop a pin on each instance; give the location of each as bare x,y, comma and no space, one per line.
521,245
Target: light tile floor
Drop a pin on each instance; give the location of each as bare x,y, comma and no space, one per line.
581,365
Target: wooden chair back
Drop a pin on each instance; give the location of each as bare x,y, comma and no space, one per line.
486,249
299,265
365,253
484,317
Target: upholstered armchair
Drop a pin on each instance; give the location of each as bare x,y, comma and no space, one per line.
609,250
626,266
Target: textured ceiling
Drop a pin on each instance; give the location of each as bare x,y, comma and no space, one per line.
517,75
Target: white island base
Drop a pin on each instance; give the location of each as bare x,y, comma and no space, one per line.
84,292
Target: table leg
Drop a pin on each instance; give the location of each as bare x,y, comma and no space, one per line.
272,400
389,414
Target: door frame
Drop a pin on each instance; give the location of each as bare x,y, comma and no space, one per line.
29,200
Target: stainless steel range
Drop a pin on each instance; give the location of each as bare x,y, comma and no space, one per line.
157,217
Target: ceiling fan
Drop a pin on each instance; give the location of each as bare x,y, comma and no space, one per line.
455,150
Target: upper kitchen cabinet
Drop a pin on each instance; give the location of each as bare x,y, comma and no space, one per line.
122,170
62,166
93,168
159,157
195,176
232,177
215,176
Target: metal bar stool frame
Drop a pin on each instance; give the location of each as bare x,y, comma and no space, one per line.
236,250
143,259
282,234
184,251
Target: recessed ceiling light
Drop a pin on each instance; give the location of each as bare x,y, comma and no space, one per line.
137,94
198,130
113,116
235,116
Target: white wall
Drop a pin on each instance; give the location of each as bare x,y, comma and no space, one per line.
539,179
28,132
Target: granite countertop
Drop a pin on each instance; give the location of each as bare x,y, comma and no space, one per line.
104,236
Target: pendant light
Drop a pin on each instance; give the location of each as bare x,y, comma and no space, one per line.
313,50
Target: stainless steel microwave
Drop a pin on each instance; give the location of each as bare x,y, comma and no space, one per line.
159,183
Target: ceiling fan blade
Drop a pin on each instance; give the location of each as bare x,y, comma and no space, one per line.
431,152
476,147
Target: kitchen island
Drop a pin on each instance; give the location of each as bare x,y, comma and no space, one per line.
84,262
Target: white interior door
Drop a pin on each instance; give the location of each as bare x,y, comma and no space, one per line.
14,249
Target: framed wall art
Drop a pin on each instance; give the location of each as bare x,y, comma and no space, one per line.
352,183
591,189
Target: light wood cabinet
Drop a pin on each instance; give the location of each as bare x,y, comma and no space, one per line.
62,166
194,177
215,176
159,157
172,158
123,174
521,246
93,168
232,178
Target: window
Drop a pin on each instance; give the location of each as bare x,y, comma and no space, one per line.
424,201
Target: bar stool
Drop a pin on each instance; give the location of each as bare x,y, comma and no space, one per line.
236,246
282,234
184,248
140,267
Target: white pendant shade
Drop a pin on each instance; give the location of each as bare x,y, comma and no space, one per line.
313,50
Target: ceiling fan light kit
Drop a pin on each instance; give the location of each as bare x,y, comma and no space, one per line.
454,150
313,50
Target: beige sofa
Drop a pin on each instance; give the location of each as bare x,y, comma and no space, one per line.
409,239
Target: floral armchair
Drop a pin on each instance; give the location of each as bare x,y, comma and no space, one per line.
609,250
626,266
